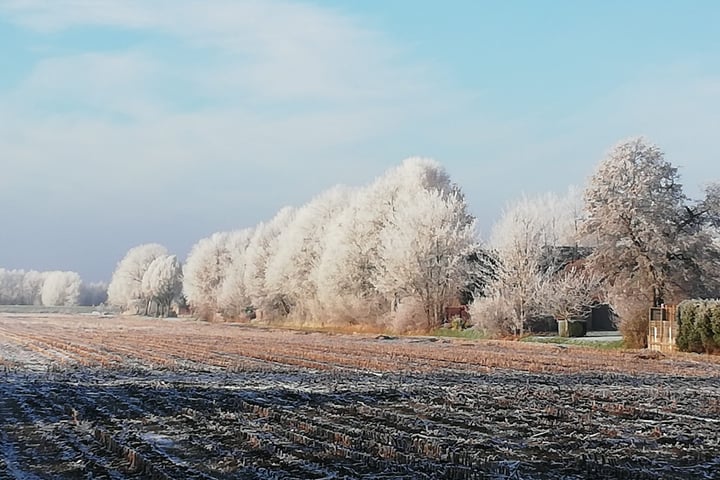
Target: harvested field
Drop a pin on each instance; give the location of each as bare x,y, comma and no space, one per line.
115,398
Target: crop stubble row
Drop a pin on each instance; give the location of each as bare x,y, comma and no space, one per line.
177,399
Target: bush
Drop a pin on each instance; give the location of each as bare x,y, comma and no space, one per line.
633,321
409,317
577,328
699,326
492,316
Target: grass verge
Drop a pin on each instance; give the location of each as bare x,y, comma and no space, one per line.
468,333
578,341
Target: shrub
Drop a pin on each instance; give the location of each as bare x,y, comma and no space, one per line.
633,321
409,317
699,326
577,328
492,316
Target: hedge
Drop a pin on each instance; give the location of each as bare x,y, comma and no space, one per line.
699,326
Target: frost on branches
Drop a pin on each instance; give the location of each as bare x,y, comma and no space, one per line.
126,287
391,246
162,284
526,243
424,251
56,288
61,288
348,255
204,273
290,281
648,237
652,245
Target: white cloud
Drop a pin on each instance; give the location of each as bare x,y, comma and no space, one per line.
277,84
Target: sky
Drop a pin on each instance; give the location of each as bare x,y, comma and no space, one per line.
125,122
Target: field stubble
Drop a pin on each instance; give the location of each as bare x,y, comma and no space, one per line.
139,398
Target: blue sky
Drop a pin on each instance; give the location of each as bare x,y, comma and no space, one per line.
124,122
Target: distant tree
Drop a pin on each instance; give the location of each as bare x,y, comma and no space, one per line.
11,287
162,284
61,288
125,289
32,287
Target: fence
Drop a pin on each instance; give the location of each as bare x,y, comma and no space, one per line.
663,328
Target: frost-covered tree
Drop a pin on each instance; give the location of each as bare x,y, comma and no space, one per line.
710,205
233,299
11,287
526,242
204,272
61,288
424,250
125,289
636,208
351,257
162,284
32,287
290,278
551,220
650,241
262,246
571,293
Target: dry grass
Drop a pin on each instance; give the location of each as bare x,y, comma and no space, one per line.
114,342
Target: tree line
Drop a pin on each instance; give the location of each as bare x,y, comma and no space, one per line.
392,254
396,252
53,288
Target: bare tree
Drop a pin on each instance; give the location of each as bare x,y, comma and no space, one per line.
571,293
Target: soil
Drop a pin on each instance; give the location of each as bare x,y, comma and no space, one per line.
117,398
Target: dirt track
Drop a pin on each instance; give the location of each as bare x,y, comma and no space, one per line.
84,397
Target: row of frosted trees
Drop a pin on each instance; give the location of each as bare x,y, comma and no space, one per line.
54,288
392,253
396,252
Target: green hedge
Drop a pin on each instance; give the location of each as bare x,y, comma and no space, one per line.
699,326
